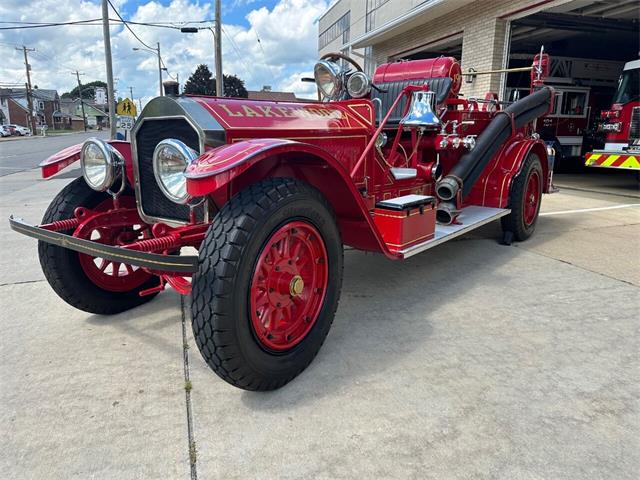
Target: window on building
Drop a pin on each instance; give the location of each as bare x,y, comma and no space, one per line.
370,18
40,105
341,27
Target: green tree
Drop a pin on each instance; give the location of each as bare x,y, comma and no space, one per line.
234,87
202,82
87,90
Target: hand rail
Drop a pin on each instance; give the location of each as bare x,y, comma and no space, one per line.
372,142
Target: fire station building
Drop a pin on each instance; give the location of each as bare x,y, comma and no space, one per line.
588,41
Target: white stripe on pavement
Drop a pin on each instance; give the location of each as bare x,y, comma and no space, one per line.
586,210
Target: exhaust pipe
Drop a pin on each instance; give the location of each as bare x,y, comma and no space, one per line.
446,213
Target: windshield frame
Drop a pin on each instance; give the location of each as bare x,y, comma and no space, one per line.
624,93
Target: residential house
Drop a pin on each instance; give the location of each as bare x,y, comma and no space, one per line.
15,106
267,94
70,114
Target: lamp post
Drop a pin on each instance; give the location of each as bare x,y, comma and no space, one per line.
217,46
157,52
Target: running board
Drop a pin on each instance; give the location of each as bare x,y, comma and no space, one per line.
469,219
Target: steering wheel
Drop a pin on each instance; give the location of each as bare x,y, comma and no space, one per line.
335,55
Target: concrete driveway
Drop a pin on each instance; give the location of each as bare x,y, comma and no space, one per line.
472,360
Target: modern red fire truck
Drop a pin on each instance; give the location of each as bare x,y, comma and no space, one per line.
269,192
621,124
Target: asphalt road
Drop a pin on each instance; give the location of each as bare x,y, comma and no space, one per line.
25,153
471,360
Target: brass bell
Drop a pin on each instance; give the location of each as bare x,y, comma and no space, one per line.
421,112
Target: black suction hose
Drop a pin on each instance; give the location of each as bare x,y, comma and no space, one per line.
471,165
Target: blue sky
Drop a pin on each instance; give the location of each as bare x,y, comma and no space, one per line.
287,29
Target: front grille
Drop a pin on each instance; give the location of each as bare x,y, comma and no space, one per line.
634,128
151,132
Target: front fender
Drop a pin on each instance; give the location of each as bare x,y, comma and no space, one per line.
217,167
62,159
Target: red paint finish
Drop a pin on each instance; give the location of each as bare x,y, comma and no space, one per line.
532,198
62,159
441,67
242,118
403,229
288,286
106,274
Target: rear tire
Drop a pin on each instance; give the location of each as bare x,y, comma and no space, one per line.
524,200
247,338
62,267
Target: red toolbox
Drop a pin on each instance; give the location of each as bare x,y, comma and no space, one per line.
406,221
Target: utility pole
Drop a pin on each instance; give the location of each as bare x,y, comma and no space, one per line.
218,38
131,93
84,118
32,119
107,54
159,69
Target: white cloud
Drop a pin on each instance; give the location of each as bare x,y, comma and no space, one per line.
288,45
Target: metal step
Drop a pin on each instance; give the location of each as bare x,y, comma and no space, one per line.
469,219
403,173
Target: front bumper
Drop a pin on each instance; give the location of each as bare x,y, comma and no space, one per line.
607,159
166,263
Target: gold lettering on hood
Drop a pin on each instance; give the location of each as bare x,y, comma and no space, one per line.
268,111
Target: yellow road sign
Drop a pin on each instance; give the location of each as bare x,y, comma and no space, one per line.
126,107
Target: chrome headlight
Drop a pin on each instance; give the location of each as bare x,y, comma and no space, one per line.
170,160
100,163
358,85
327,78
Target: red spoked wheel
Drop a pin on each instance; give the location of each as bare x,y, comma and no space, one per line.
525,197
106,274
268,283
93,284
289,285
532,197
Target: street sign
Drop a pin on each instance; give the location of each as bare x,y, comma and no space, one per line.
125,122
126,107
100,95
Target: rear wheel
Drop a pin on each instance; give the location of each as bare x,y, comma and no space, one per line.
524,200
92,284
267,288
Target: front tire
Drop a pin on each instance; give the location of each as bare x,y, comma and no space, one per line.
525,198
268,285
80,280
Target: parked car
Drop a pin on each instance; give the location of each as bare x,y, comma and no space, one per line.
20,130
5,131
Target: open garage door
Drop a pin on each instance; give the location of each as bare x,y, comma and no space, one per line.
589,42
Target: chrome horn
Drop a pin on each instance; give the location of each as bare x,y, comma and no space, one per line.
421,112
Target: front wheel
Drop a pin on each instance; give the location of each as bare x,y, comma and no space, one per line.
268,284
94,285
524,200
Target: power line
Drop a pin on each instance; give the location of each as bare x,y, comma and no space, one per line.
264,55
128,27
97,22
237,50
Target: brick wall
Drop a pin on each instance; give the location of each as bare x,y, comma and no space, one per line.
483,38
17,114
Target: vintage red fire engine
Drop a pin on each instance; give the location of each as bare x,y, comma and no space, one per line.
269,192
